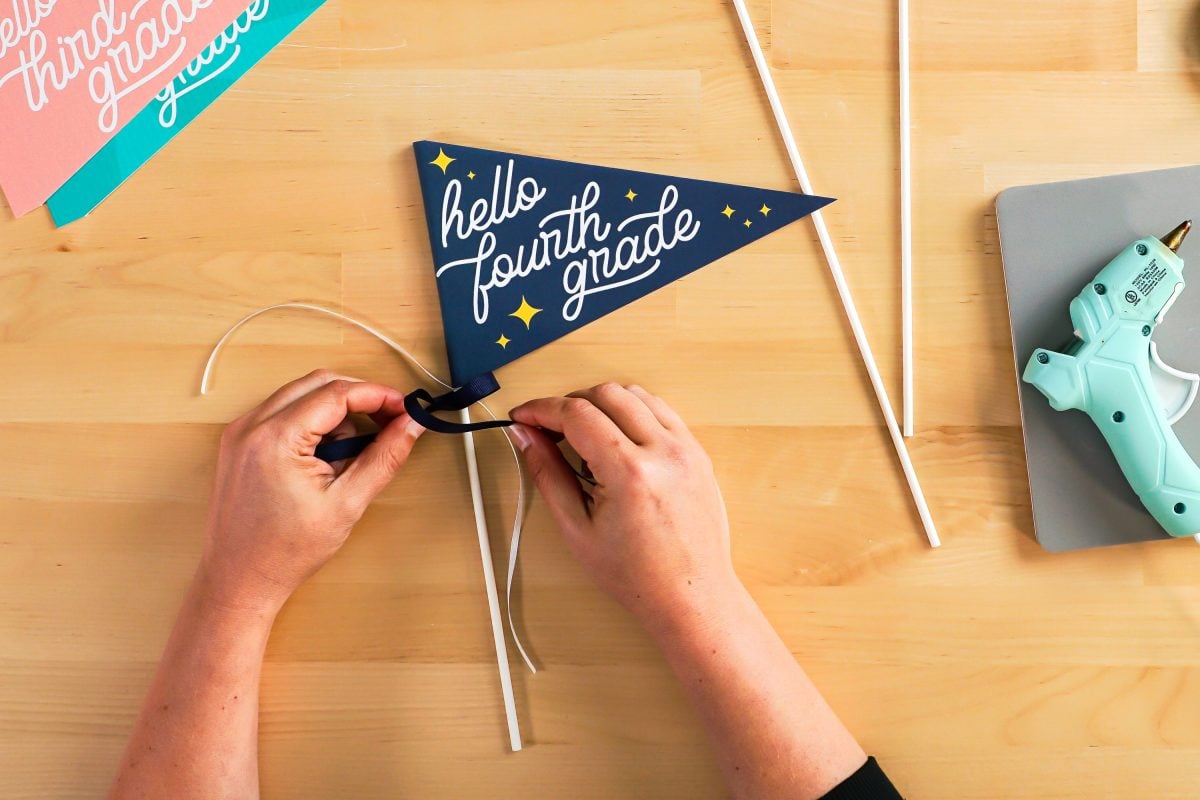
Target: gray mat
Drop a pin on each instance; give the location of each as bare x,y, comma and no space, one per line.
1055,238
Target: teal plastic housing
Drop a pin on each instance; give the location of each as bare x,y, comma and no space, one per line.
1108,373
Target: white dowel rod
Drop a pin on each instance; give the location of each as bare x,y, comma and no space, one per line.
493,597
839,279
906,277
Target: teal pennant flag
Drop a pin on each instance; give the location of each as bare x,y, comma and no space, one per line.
248,38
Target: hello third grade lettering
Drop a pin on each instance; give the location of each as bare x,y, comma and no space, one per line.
114,53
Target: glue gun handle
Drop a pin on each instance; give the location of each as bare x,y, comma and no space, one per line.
1122,403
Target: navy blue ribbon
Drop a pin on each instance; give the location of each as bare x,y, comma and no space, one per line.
422,406
343,448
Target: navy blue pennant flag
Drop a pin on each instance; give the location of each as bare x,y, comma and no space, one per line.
528,249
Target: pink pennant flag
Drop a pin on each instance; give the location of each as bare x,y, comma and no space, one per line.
72,72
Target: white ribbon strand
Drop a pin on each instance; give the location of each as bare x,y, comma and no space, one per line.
476,502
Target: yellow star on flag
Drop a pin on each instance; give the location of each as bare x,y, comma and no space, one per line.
630,195
442,161
747,223
503,341
728,212
471,175
765,210
525,312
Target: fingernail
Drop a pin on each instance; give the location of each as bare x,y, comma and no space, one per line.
521,437
413,427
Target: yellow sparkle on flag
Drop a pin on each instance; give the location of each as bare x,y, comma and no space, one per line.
765,210
747,223
471,176
503,341
728,212
525,312
630,195
442,161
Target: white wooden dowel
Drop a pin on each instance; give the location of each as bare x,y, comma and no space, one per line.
839,279
906,278
489,581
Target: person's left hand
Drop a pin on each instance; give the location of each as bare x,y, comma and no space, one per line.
277,512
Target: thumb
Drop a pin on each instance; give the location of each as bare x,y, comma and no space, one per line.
375,467
552,475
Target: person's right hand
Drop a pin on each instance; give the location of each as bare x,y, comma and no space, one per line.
277,511
653,531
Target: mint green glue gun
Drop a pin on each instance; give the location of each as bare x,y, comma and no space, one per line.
1111,371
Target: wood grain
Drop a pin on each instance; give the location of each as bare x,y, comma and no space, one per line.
987,669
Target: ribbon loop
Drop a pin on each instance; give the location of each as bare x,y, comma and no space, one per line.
421,406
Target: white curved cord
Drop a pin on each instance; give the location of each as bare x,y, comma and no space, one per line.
407,356
519,514
514,543
476,497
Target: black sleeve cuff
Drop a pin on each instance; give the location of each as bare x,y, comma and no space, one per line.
868,783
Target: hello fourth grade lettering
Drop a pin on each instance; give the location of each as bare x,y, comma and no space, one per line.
594,254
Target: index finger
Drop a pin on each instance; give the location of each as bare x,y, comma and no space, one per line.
290,392
317,413
585,427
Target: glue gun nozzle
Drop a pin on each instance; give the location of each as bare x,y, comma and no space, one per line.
1175,238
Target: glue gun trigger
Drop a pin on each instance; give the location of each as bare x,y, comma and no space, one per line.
1174,388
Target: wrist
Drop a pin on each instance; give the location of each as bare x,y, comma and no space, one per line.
698,604
250,599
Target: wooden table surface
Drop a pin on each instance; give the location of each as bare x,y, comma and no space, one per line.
987,669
